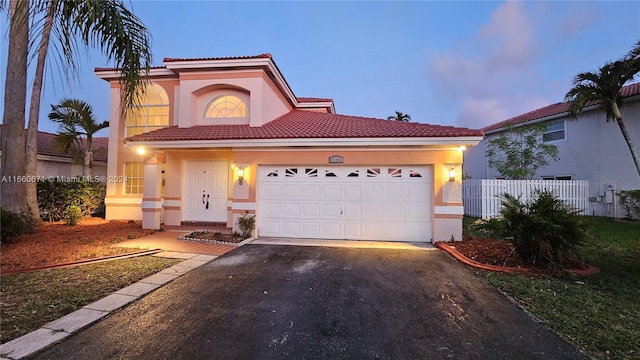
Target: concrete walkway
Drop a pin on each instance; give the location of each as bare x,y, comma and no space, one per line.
168,240
194,254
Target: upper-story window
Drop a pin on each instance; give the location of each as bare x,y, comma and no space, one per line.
226,106
152,114
554,131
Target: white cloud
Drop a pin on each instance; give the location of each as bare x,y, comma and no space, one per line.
490,85
514,32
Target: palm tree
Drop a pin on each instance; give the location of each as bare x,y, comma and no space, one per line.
104,24
12,193
77,120
399,116
602,88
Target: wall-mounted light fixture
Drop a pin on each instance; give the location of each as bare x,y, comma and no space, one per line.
462,148
141,150
240,173
452,174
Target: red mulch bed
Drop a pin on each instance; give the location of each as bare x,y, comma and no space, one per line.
488,251
57,243
501,253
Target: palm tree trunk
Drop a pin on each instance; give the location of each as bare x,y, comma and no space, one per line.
632,148
87,167
634,154
13,191
31,153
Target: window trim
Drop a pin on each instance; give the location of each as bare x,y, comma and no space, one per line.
127,178
145,110
548,132
216,98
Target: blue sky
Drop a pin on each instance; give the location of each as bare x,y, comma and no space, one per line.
451,63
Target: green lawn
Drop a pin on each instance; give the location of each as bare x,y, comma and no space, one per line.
599,313
31,300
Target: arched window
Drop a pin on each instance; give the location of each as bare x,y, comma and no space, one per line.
153,114
226,106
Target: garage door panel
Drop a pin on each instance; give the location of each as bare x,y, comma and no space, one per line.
291,191
311,209
373,230
352,192
394,212
291,209
311,191
373,192
333,191
271,228
373,212
421,193
311,229
331,230
270,209
270,191
395,192
291,228
352,230
332,210
346,202
352,211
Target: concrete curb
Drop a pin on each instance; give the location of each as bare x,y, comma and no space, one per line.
59,329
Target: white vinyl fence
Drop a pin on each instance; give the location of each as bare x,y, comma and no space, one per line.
483,197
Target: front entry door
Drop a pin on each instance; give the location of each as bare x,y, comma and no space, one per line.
205,191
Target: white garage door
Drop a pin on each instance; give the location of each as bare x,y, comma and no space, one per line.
391,203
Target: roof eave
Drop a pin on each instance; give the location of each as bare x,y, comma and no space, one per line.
115,74
334,142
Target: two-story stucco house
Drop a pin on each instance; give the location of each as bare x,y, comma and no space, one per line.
590,148
217,137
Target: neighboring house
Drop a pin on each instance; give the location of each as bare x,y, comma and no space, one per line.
223,136
590,148
52,164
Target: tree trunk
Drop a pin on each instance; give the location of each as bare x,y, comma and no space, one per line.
632,148
88,165
31,153
13,184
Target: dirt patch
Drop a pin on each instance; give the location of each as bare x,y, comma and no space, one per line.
57,243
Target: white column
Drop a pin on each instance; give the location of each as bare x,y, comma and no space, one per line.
152,201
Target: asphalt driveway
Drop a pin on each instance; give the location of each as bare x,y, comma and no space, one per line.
295,302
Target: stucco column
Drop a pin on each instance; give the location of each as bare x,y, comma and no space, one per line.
152,200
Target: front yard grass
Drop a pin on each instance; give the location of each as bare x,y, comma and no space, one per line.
599,313
30,300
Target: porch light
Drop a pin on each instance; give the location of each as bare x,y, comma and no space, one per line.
141,150
240,173
452,174
462,148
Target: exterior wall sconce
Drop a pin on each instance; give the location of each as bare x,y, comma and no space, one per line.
240,173
452,174
141,150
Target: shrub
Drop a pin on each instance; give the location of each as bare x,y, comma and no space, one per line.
630,202
55,197
247,223
72,214
543,230
13,225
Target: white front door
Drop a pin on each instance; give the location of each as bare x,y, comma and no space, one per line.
392,203
205,191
